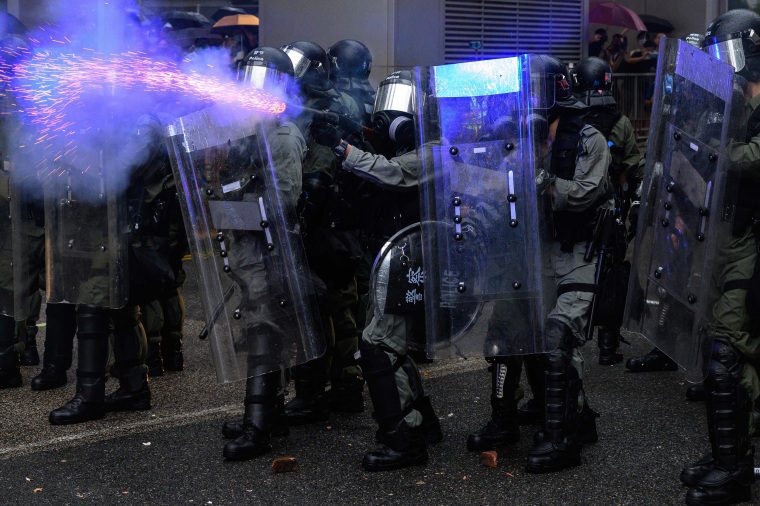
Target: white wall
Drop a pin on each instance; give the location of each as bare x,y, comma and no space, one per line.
328,21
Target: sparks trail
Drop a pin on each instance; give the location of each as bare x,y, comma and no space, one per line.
55,87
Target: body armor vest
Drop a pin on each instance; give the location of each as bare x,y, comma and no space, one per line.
569,226
604,119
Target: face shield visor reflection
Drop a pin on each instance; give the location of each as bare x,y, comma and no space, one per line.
300,62
730,51
263,78
395,96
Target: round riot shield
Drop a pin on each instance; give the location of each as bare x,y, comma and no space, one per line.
397,285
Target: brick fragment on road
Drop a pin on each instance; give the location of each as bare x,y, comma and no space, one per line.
284,464
489,459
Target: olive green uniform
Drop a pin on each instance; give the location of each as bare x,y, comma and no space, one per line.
391,333
338,320
733,321
589,184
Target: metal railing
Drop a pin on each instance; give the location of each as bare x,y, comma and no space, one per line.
633,93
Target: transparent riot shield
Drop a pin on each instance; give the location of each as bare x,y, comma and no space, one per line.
7,294
28,240
486,226
87,231
238,182
687,198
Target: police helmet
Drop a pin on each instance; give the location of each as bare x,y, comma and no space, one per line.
266,68
733,37
309,60
349,58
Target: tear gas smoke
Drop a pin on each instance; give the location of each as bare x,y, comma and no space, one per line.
93,80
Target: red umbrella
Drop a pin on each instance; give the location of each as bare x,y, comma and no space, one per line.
611,13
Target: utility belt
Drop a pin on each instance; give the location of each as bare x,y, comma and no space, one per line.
569,236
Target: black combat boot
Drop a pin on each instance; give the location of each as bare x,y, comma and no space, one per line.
559,447
587,433
234,428
88,402
10,370
173,307
30,355
171,350
129,367
609,342
59,342
654,361
154,360
502,428
311,402
431,425
346,396
728,406
696,392
259,418
400,445
532,411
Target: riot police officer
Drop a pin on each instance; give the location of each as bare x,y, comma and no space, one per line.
333,250
592,84
578,188
350,66
249,264
726,474
407,422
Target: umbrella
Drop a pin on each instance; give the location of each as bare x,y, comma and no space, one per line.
610,13
229,23
181,19
227,11
656,25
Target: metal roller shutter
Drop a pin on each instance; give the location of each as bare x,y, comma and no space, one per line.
510,27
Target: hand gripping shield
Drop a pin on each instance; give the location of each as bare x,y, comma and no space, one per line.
238,182
87,229
687,201
485,223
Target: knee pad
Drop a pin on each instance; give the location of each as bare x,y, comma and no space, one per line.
126,317
558,335
372,359
726,365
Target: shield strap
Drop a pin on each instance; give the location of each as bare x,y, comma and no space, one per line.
577,287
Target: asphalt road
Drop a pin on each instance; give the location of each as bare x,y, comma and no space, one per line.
173,453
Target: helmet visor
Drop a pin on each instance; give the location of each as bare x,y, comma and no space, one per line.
396,95
260,77
729,51
300,62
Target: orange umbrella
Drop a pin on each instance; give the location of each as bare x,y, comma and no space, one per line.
228,23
